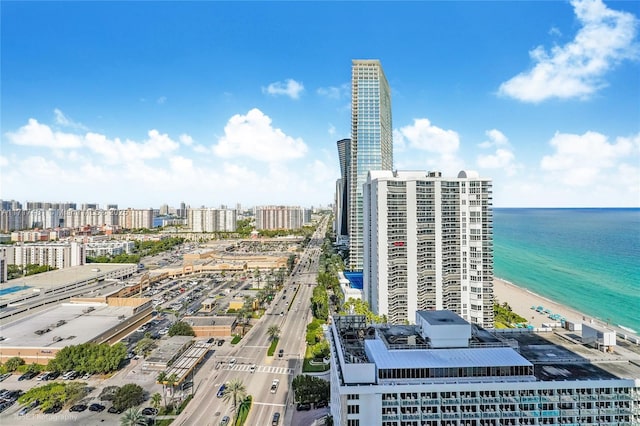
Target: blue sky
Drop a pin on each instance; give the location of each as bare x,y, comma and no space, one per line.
210,103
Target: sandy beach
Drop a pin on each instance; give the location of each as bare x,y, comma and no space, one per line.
521,300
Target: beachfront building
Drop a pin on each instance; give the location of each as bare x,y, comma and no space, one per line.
341,210
428,245
371,146
446,371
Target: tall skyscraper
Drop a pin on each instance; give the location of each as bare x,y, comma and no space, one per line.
371,142
342,189
428,244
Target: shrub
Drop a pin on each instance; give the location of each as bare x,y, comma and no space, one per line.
272,347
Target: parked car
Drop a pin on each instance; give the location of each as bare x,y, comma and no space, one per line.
225,421
78,408
303,407
53,409
96,407
28,375
4,376
220,342
276,419
280,353
322,404
149,411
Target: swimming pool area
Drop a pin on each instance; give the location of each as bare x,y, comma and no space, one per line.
355,279
13,289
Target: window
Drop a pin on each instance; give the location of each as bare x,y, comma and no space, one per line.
353,422
353,409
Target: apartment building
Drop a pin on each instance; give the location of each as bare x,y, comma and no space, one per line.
211,220
57,255
279,217
428,244
445,371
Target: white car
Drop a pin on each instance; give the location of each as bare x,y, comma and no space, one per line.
274,385
252,368
232,362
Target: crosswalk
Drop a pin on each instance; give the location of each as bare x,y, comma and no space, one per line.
260,369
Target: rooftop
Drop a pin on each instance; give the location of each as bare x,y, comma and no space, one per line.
68,324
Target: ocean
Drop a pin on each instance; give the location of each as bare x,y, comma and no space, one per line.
587,259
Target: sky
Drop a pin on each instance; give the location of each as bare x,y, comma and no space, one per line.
216,103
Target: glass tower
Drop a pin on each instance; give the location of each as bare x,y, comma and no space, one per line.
371,142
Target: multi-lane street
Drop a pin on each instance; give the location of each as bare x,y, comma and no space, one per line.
290,310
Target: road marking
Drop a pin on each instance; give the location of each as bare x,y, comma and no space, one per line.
260,347
269,403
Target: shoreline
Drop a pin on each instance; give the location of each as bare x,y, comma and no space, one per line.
521,299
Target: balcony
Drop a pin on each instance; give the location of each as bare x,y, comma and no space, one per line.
390,402
430,416
530,399
471,400
426,401
415,416
390,417
450,401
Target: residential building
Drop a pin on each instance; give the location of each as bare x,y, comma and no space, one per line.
371,143
109,248
57,255
342,190
445,371
428,244
279,217
211,220
13,220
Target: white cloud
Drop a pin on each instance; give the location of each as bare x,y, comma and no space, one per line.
334,92
253,136
36,134
577,69
332,129
424,136
289,88
496,138
582,160
186,139
502,159
441,145
4,161
161,100
65,121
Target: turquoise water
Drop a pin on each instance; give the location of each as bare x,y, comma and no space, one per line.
13,289
588,259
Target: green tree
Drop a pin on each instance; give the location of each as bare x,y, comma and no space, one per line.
128,396
49,395
162,377
273,332
181,328
133,417
75,391
156,400
310,389
321,349
171,381
144,345
13,363
109,393
235,392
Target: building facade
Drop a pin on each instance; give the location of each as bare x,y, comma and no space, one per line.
428,245
371,143
56,255
342,190
211,220
444,371
279,217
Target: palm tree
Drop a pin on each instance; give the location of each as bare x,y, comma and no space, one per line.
235,391
273,332
162,377
156,399
171,381
133,417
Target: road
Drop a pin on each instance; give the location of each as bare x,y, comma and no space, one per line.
291,314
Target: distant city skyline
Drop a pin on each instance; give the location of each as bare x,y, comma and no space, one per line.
244,102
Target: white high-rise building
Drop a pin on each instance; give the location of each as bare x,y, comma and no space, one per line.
56,255
428,244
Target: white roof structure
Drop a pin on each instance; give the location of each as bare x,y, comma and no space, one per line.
384,358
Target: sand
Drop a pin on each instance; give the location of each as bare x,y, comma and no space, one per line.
521,300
